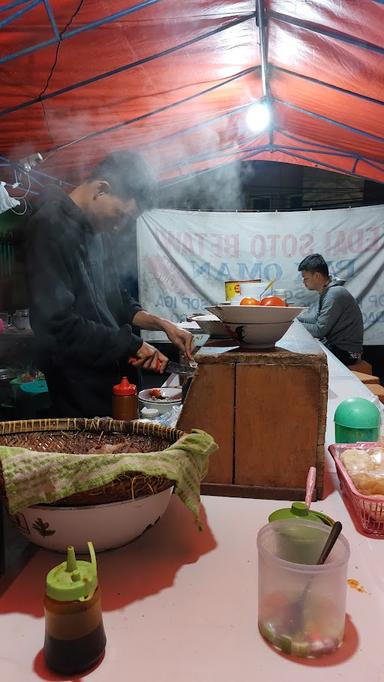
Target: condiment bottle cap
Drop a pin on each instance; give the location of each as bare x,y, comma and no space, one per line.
125,388
73,580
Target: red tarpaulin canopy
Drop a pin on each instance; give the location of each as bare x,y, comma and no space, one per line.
175,79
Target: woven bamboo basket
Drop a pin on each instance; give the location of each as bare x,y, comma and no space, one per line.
79,436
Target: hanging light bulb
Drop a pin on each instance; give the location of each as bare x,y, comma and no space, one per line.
259,117
30,161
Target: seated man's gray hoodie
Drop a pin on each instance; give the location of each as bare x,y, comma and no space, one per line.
336,318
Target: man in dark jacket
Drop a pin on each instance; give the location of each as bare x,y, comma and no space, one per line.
83,322
336,318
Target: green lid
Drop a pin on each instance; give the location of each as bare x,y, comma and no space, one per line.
299,510
73,580
357,413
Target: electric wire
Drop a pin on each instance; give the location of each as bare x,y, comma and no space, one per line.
54,64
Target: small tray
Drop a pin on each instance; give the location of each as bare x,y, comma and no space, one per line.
369,510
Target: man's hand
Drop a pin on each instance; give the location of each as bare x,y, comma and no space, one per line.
181,338
149,357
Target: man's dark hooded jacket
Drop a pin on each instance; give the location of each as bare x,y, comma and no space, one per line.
81,319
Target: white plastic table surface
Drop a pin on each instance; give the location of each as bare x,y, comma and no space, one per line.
180,604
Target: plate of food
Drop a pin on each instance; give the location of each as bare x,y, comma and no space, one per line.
161,398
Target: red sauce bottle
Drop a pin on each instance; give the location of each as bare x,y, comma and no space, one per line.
124,401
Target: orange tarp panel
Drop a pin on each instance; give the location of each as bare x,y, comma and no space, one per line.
175,80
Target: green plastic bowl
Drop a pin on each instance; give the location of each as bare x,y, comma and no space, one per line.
357,419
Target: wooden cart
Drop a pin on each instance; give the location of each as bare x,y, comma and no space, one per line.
267,411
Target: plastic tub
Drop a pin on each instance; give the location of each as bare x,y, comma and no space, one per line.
301,606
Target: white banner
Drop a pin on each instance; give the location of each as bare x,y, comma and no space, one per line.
184,257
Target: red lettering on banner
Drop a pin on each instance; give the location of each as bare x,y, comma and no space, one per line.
273,239
257,246
306,245
216,241
335,243
186,241
231,246
173,242
200,242
373,236
289,245
356,241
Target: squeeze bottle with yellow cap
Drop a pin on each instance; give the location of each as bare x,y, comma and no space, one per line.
74,632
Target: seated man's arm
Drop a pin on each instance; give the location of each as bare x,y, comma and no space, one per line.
327,316
310,315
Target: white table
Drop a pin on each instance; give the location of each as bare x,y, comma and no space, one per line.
182,605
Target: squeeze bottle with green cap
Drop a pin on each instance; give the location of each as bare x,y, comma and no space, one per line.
74,632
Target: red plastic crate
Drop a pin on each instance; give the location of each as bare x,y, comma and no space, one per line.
369,510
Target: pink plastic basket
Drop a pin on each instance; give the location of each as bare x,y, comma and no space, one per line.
369,511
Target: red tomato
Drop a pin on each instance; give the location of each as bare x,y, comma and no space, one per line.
248,300
155,392
272,300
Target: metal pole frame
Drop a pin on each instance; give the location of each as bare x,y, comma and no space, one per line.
51,17
12,5
196,126
142,117
316,162
16,167
321,117
328,32
76,31
320,163
22,189
170,183
325,150
124,67
263,35
335,150
222,152
289,151
19,13
317,81
347,155
250,157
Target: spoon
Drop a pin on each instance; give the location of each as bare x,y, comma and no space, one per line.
297,608
269,286
331,539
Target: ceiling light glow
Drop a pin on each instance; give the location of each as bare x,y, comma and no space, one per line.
258,117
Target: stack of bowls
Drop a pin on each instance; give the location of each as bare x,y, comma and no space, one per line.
256,326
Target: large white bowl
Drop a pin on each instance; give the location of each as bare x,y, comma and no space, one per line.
161,405
107,525
258,335
256,326
210,324
246,314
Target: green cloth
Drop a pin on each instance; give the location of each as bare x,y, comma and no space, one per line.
42,477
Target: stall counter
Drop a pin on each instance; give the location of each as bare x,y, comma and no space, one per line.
180,604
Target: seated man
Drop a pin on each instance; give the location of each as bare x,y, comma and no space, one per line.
336,318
